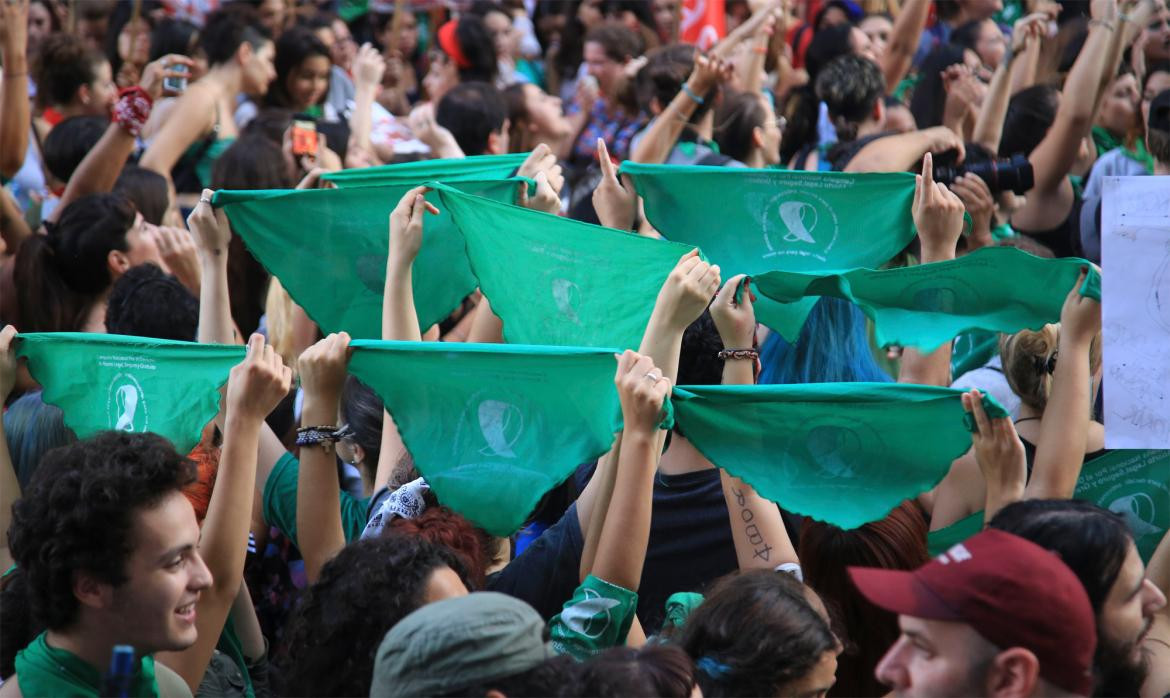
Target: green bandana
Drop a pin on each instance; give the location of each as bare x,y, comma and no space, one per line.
972,350
493,427
478,168
134,384
47,671
1135,484
929,304
328,247
752,221
1132,483
556,281
842,453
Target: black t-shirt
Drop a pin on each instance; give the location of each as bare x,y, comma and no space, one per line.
690,547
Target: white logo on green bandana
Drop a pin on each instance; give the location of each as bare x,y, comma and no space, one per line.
1139,511
501,424
126,404
799,223
590,616
568,298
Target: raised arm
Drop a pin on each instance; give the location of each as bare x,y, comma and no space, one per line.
664,131
319,533
368,69
761,541
621,552
938,216
255,387
14,108
904,37
9,485
1055,156
1000,455
399,319
905,150
1060,452
99,170
1026,37
190,119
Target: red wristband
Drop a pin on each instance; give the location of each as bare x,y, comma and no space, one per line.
132,109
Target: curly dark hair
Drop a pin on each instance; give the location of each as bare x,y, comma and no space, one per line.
62,65
78,514
762,627
334,632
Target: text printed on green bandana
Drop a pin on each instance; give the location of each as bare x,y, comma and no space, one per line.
133,384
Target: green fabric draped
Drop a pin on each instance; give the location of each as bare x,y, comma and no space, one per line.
47,671
492,427
556,281
477,168
997,289
842,453
133,384
752,221
328,247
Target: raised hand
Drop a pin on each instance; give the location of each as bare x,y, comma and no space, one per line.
210,226
736,322
977,198
642,390
938,215
322,368
708,73
7,360
14,27
426,129
155,74
177,249
1080,317
615,201
541,165
258,383
406,226
998,451
688,291
368,67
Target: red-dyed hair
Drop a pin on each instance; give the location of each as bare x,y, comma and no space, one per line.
206,457
441,526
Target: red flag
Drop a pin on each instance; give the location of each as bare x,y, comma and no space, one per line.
704,22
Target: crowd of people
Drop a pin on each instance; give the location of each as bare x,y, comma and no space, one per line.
299,549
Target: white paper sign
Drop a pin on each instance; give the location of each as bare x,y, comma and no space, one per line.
1135,291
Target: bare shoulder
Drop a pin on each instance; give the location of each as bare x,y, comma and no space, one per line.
10,688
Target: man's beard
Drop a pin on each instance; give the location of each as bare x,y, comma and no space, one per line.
1117,672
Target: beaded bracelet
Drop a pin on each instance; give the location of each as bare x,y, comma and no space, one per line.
736,354
324,434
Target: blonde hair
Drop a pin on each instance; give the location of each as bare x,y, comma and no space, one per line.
1027,356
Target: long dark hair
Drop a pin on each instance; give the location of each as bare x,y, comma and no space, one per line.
59,275
335,630
294,47
896,542
754,633
735,121
361,409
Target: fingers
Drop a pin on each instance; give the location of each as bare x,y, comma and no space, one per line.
981,422
255,346
726,295
927,170
607,169
6,336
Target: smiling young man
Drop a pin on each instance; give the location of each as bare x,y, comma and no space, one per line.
109,546
996,615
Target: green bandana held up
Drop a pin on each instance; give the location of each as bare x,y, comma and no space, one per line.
493,427
556,281
1135,484
328,247
1132,483
752,221
842,453
478,168
47,671
133,384
998,289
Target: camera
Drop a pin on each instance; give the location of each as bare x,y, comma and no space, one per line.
1007,174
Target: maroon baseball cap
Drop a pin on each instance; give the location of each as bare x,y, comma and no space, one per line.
1010,590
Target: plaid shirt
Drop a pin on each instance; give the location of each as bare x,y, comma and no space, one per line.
617,131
